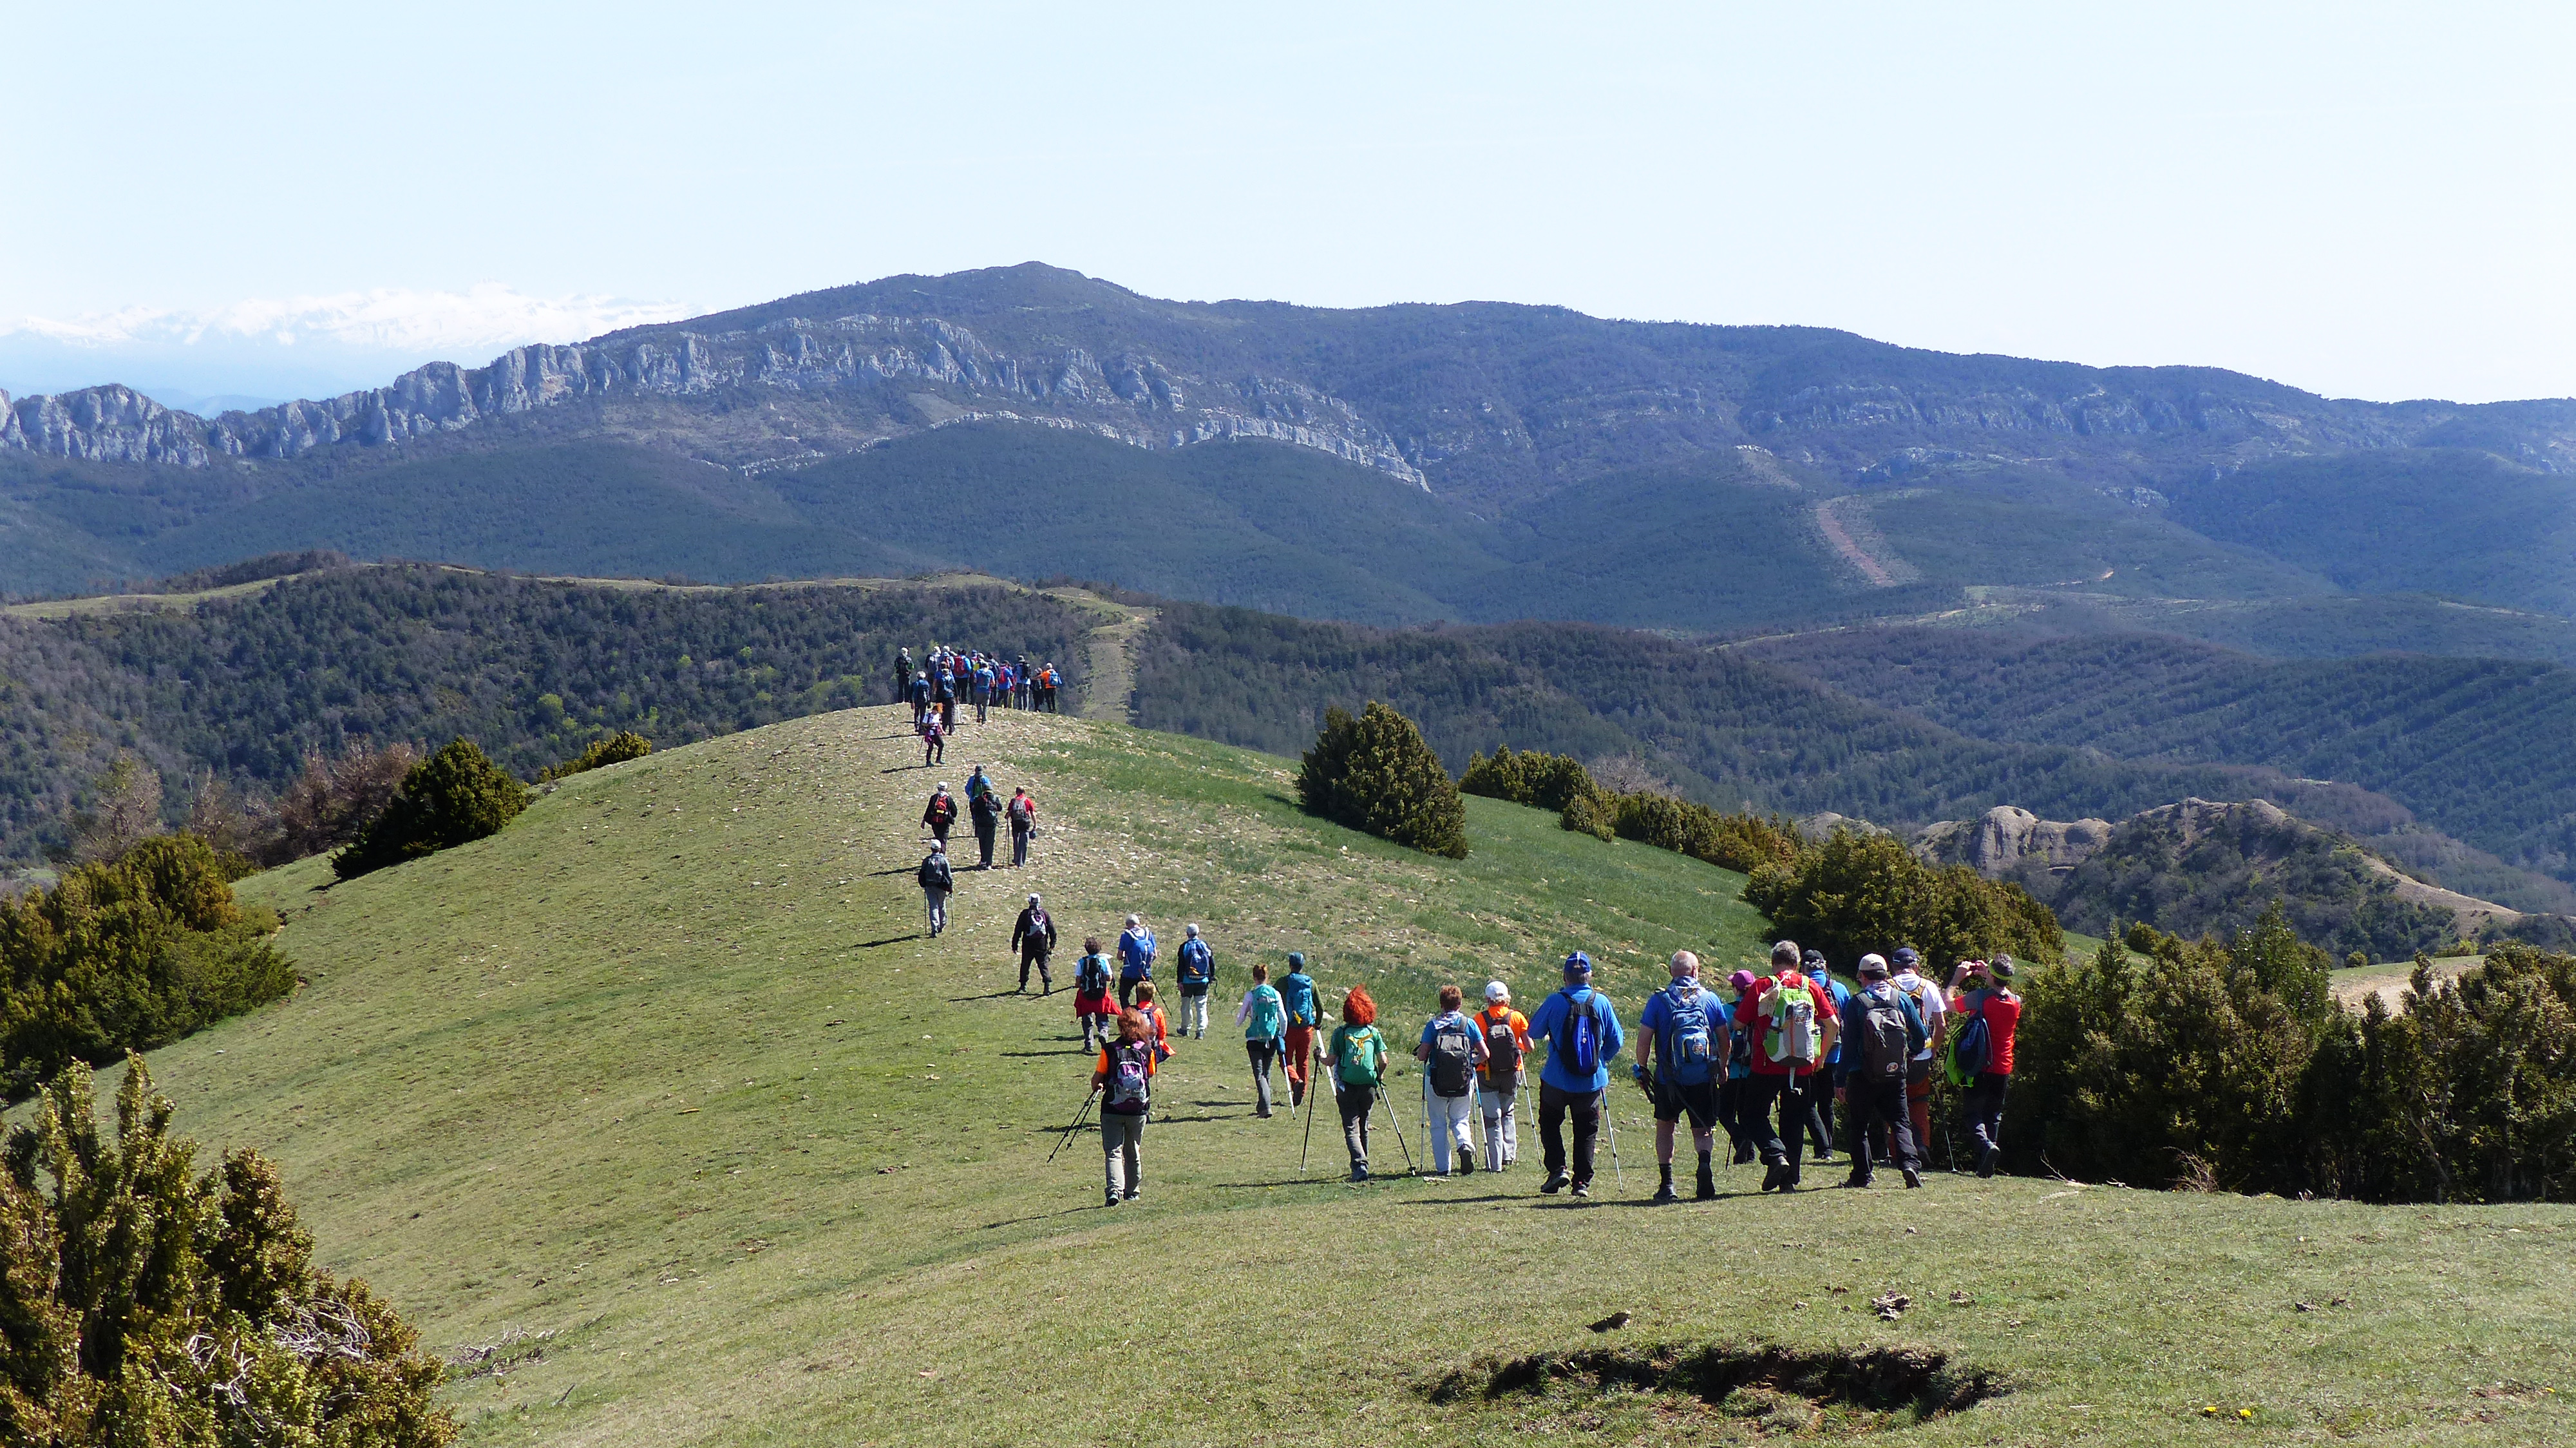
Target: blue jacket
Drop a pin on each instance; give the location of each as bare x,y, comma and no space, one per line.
1135,953
1551,1018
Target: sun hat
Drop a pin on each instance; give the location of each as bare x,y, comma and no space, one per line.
1497,991
1871,966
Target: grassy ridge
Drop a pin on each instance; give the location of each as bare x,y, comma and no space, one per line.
664,1069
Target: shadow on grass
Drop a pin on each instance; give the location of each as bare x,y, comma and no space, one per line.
1040,1217
990,995
1069,1051
889,940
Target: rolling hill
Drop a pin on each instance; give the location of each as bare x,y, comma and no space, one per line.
658,1100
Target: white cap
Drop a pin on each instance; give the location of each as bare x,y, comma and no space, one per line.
1132,920
1033,899
1193,929
1497,991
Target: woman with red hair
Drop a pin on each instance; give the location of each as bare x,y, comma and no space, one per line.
1358,1059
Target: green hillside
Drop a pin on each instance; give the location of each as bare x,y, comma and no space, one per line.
661,1091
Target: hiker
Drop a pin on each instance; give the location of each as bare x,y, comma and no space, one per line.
1135,957
1453,1050
1981,1050
1677,1056
1791,1026
1091,1004
1305,1007
1934,1010
936,881
1581,1028
1022,812
934,742
1198,976
1159,1028
1048,679
1819,1088
983,689
1033,936
902,673
986,812
940,813
1265,1030
1507,1043
943,692
1125,1077
1020,676
1357,1059
1880,1033
1737,1053
919,693
979,783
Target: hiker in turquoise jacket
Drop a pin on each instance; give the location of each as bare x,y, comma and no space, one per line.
1576,1022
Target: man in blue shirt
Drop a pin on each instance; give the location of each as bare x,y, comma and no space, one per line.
1677,1042
1581,1029
1819,1088
1135,959
1305,1009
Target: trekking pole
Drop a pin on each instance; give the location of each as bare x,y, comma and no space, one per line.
1077,1123
1617,1173
1397,1121
1311,1080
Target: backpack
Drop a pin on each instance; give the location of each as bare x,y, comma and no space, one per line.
1885,1040
934,875
1301,1011
1130,1077
1091,975
1971,1048
1502,1049
1268,1020
943,810
1578,1036
1356,1068
1023,811
1790,1009
1198,963
1453,1056
1688,1048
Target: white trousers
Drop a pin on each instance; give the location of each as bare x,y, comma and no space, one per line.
1449,1128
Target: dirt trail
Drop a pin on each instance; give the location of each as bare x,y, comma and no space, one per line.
1845,523
1109,670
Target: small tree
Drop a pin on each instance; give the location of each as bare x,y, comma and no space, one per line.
327,804
142,1303
617,748
125,810
455,796
1375,773
1857,893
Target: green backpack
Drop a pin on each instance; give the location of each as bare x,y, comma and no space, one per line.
1358,1069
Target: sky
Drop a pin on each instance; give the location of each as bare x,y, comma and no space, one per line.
259,201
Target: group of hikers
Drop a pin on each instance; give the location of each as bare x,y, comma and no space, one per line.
987,811
948,678
1771,1062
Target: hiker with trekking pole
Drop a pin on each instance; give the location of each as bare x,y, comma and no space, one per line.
1677,1052
1357,1060
1981,1051
1791,1026
1500,1079
1581,1028
1452,1051
1125,1074
1881,1031
1265,1030
1305,1007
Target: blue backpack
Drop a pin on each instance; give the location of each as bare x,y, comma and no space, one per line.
1971,1048
1689,1048
1578,1036
1198,963
1298,994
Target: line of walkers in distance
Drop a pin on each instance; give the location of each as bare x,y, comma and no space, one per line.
949,678
1768,1063
987,811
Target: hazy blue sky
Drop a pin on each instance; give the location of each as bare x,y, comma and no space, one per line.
2366,200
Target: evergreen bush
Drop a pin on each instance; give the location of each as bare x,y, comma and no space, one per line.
143,1303
128,955
1584,814
453,797
1542,781
1858,893
617,748
1375,773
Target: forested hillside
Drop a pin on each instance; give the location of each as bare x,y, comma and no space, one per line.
2474,747
532,670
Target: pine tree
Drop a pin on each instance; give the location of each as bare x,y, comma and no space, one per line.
1375,773
454,796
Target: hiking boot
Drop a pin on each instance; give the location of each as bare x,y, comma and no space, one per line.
1664,1195
1771,1177
1555,1183
1359,1173
1112,1201
1131,1194
1857,1181
1467,1166
1913,1178
1707,1186
1583,1191
1788,1184
1986,1157
1263,1113
1743,1157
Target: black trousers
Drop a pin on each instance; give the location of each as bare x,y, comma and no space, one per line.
1037,958
1879,1106
1127,991
1981,1110
984,845
1554,1105
1780,1143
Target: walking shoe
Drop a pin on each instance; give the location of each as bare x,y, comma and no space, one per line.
1707,1186
1113,1200
1743,1157
1263,1113
1664,1194
1986,1156
1788,1184
1771,1178
1583,1190
1359,1173
1131,1194
1555,1183
1913,1178
1466,1166
1857,1181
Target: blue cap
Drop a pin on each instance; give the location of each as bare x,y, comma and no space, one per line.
1296,960
1905,958
1578,964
